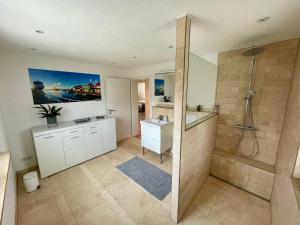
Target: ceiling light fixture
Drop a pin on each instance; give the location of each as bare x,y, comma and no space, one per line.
263,19
39,31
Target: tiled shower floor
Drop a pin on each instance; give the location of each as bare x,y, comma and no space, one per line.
219,203
96,193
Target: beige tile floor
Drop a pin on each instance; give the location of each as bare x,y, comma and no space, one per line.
96,193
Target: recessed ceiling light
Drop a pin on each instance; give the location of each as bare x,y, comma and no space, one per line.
171,46
134,57
33,49
39,31
263,19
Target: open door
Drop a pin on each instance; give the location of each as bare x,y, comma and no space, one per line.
118,95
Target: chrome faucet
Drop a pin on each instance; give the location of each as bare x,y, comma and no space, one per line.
166,118
160,117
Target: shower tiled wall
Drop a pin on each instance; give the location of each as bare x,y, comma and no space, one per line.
284,206
272,83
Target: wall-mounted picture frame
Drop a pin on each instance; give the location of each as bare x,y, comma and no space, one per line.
159,87
51,86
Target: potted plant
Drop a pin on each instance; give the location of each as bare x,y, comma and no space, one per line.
50,113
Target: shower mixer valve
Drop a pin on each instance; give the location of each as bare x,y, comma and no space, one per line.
250,94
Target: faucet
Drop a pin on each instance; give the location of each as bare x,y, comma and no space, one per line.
160,117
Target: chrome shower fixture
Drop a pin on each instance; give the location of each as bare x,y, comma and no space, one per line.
247,124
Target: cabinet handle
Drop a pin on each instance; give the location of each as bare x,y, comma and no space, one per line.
74,137
92,127
49,137
95,132
74,131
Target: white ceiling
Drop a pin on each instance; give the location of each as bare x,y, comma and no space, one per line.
113,31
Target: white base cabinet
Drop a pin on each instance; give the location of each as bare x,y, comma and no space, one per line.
50,153
110,134
74,147
69,144
93,143
156,137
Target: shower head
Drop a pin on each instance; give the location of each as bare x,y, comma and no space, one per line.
252,51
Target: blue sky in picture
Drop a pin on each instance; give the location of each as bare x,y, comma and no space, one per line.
159,87
61,78
159,83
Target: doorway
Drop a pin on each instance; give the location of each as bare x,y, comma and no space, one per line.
141,100
140,104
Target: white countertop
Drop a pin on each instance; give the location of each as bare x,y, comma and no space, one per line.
157,123
43,129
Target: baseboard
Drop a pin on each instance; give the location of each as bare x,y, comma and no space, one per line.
36,167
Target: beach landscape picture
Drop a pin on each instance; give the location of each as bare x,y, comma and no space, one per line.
159,87
50,86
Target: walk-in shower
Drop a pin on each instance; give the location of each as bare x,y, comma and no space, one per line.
247,127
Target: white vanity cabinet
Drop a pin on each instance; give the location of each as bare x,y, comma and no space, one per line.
68,144
156,135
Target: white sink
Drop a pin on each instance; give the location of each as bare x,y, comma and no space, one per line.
156,122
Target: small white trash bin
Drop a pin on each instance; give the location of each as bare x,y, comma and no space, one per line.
31,181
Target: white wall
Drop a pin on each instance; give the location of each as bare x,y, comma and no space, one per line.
3,137
202,79
16,99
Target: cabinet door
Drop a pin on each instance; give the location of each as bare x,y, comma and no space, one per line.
50,154
109,141
93,143
74,149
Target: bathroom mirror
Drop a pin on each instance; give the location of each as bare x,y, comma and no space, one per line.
164,88
201,87
296,177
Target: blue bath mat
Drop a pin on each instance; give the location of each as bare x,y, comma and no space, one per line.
154,180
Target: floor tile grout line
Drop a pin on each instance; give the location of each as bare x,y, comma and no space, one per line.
63,206
116,208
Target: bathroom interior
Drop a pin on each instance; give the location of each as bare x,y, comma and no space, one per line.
204,139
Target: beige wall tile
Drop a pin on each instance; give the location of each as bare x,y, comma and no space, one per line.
272,83
250,178
285,209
